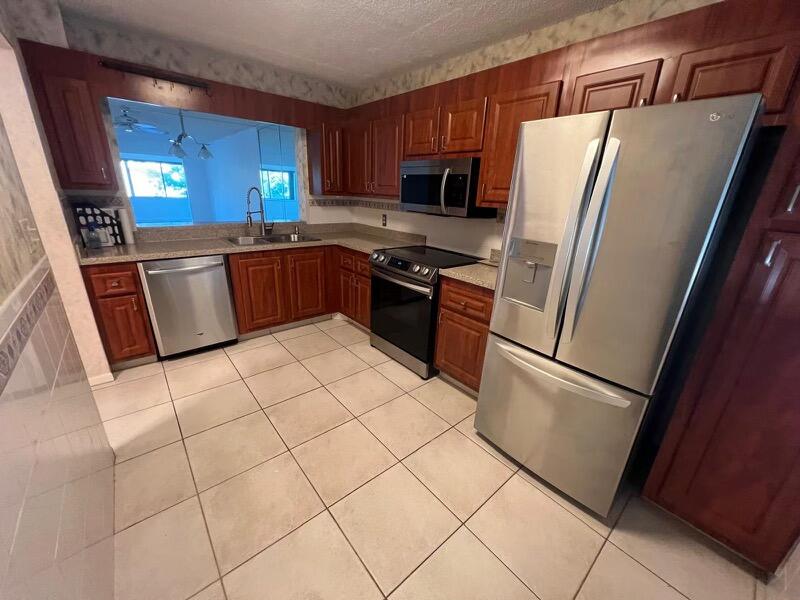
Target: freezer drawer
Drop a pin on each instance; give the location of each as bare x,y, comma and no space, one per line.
189,302
572,430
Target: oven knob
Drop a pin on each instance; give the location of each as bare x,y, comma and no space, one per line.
381,257
425,271
415,268
374,255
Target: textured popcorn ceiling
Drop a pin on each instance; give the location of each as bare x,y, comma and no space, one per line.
351,42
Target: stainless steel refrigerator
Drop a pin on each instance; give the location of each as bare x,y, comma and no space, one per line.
610,221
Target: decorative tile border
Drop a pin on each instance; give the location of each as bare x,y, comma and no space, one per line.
16,336
360,202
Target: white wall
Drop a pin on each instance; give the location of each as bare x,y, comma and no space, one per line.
233,170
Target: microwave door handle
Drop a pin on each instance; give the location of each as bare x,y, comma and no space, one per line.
441,190
589,239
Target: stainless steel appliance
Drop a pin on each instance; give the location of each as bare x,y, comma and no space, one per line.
446,187
405,301
610,224
189,301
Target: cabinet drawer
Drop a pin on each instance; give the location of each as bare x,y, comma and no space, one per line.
362,266
347,261
468,300
104,285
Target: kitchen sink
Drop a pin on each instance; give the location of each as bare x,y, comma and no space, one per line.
246,240
290,237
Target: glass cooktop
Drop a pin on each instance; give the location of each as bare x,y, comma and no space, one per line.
431,257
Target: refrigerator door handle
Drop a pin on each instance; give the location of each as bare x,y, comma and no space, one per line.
555,302
512,354
591,233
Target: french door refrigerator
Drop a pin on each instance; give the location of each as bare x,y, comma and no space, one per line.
610,221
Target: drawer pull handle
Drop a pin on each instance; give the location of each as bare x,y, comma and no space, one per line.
115,283
676,97
793,202
768,260
135,304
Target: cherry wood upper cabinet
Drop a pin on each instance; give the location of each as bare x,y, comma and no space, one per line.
767,65
729,463
461,126
258,290
421,137
332,159
306,282
623,87
387,152
78,141
507,110
357,159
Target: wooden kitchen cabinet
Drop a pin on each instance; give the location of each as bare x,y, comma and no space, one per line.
768,65
623,87
421,135
116,297
332,159
729,462
507,110
78,141
363,300
357,159
307,290
461,126
462,331
354,285
259,290
386,146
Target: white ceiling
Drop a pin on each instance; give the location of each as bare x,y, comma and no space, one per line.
351,42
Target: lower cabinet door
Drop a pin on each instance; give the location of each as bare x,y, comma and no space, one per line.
125,327
363,301
347,300
460,347
306,283
258,291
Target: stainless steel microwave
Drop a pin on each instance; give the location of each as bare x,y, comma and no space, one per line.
445,187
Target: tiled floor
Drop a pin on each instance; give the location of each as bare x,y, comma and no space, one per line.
306,464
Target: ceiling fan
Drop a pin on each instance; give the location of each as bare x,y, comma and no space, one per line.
128,123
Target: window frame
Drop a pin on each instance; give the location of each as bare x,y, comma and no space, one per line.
292,176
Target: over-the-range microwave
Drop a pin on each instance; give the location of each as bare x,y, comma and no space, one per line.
445,187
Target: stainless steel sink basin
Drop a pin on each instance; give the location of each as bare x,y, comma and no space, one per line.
290,237
246,240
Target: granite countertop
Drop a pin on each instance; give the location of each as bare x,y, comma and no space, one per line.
202,247
482,274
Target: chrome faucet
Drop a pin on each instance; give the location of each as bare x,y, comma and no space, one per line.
260,212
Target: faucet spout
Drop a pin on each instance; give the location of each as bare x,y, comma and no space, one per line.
260,211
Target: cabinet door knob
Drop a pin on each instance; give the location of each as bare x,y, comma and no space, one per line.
676,97
135,304
103,173
770,257
443,144
642,102
115,283
793,201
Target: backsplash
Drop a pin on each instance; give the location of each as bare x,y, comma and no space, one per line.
624,14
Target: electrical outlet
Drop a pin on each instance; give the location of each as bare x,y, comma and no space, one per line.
383,219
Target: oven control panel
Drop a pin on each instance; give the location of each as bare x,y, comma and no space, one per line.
399,265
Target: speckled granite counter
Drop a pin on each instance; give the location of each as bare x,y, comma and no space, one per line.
203,247
481,274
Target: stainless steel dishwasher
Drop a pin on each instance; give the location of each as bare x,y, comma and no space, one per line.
189,301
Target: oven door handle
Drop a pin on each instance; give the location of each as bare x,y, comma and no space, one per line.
441,190
417,288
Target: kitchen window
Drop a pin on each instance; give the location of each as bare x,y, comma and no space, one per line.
279,186
151,179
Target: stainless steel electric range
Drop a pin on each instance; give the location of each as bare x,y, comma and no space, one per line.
405,301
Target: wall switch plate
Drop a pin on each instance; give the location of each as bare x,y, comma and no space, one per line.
383,219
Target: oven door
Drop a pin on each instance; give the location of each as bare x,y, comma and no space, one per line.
404,315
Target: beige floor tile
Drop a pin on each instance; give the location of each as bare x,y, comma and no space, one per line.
293,332
544,545
468,429
229,449
394,523
192,359
364,391
210,408
125,398
334,365
602,525
682,557
403,425
339,461
463,569
397,373
165,557
249,512
314,561
142,431
212,592
201,376
445,400
616,575
365,351
348,334
331,323
460,474
153,368
150,483
281,384
310,345
305,416
261,359
256,342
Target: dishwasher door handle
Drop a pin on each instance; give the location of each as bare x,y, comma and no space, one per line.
182,269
